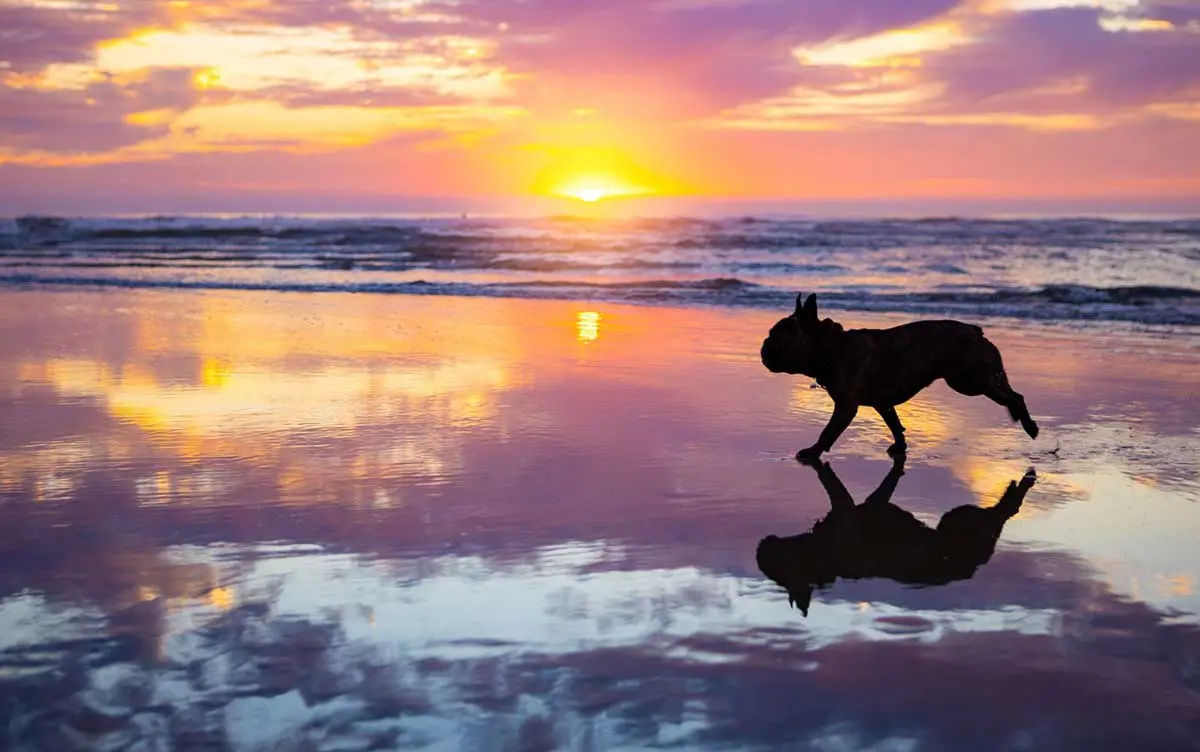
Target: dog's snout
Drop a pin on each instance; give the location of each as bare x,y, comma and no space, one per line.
767,353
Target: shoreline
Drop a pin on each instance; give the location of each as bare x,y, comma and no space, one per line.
870,317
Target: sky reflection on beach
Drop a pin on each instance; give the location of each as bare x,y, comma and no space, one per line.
474,491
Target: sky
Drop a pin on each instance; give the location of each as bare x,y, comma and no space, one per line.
448,105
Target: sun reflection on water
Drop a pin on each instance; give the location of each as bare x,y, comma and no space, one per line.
587,326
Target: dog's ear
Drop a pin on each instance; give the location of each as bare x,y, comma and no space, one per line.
801,598
806,312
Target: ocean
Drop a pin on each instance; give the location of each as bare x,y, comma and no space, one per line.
1143,274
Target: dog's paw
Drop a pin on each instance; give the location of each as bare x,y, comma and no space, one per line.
1030,427
809,456
897,450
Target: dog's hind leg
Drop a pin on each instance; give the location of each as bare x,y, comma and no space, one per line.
968,534
986,376
896,427
986,522
1001,393
1010,503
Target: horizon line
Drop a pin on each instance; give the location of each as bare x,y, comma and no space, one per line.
645,207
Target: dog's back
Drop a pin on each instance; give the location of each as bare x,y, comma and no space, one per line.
895,364
925,333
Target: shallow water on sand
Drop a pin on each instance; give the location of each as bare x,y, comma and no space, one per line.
351,522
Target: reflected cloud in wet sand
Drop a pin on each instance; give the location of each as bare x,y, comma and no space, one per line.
216,384
444,521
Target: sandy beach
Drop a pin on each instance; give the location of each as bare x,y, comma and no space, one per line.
259,520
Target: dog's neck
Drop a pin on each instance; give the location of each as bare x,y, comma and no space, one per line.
828,336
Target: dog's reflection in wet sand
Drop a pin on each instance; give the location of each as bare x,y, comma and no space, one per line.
879,539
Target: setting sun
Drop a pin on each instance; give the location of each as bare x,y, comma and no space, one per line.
593,189
582,170
590,195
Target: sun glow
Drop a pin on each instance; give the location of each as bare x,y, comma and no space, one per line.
593,189
592,173
590,195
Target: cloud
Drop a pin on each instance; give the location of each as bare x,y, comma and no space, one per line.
1060,68
272,125
100,116
151,135
345,73
1069,61
238,86
1178,13
35,34
247,58
708,54
703,55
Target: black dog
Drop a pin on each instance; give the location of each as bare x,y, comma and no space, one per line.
882,368
879,539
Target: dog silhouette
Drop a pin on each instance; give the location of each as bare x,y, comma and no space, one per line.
882,368
879,539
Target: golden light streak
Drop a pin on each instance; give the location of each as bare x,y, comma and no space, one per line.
1112,6
250,58
1048,122
1122,23
334,125
151,118
587,326
814,109
879,49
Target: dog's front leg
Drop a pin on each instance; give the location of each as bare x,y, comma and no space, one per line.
899,447
843,414
883,494
839,498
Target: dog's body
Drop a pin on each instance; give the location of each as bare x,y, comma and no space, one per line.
882,368
879,539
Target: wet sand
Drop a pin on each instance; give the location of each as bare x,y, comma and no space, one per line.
248,519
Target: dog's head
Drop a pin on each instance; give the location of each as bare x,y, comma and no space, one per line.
792,346
791,564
